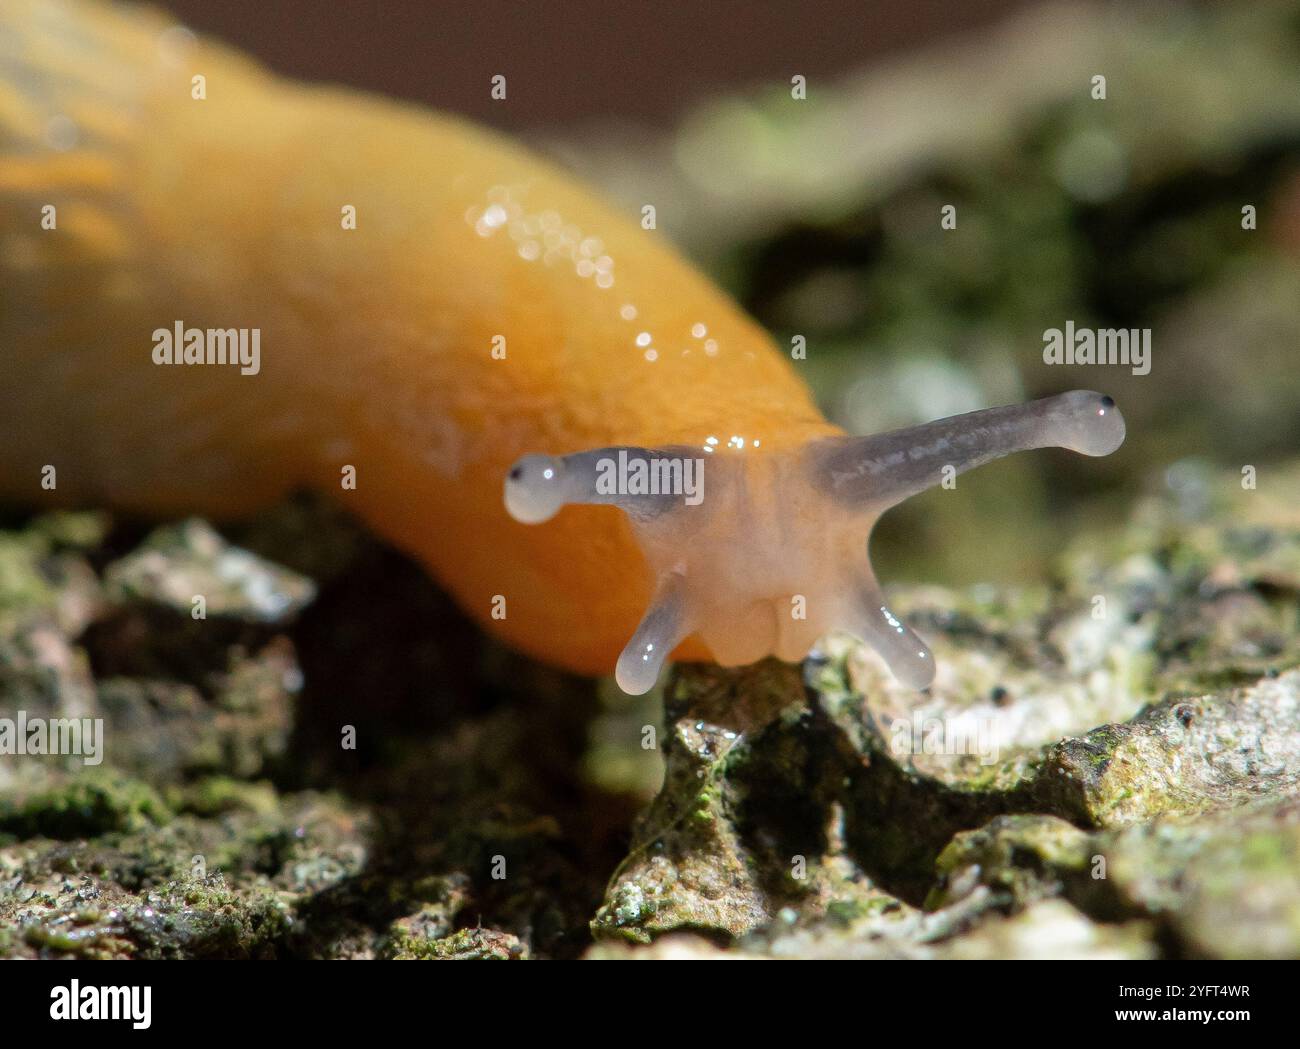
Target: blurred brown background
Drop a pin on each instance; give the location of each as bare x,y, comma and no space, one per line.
577,60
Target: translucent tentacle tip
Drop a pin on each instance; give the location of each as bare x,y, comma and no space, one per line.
1093,424
771,553
535,488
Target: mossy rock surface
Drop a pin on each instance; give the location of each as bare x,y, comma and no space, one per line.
1074,783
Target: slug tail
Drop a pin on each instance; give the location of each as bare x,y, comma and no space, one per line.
72,85
92,97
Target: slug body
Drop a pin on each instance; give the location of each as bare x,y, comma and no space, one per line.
486,321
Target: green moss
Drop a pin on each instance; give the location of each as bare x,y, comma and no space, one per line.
23,587
95,802
465,945
849,912
214,795
74,530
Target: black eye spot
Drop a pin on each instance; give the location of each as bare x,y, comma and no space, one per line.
1108,402
516,472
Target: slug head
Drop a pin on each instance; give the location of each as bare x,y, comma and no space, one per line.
760,553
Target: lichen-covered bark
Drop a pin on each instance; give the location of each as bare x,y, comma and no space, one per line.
1082,779
328,767
333,763
1085,778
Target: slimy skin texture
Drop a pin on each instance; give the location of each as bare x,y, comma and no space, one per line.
377,354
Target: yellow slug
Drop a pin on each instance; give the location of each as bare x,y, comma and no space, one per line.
217,285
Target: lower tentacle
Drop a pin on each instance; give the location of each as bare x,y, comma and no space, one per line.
663,629
869,618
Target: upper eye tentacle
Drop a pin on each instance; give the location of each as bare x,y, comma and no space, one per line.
882,470
539,486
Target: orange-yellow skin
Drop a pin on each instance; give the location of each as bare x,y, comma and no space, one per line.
376,342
